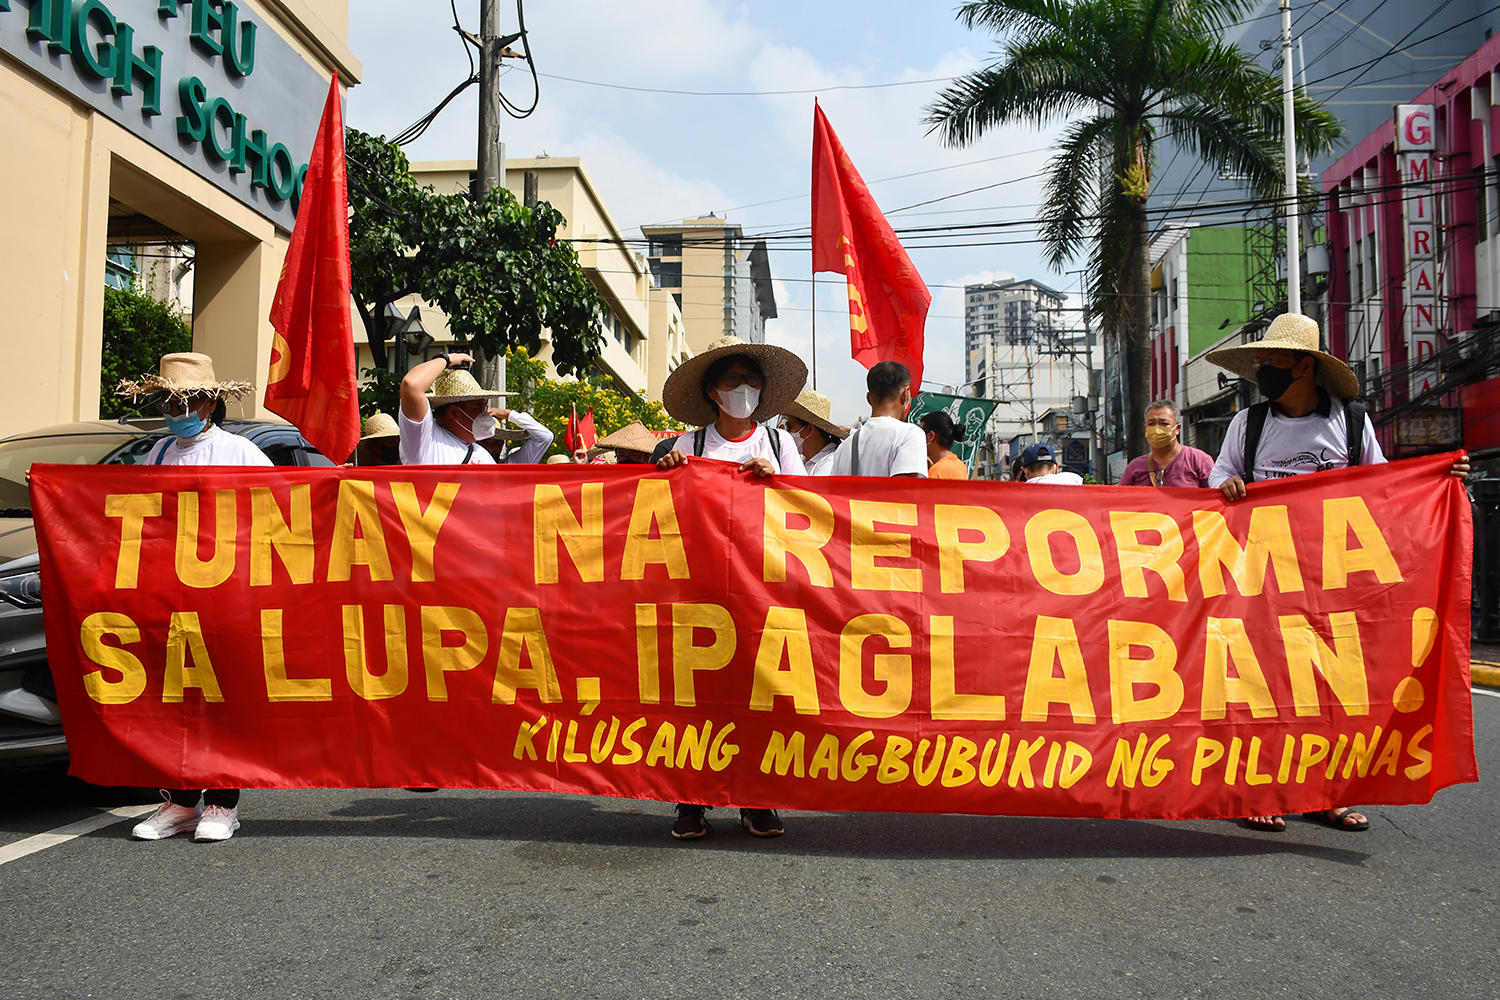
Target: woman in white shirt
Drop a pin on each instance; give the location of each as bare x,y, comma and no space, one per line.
191,400
817,436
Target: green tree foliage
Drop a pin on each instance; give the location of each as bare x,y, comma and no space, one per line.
552,401
138,330
494,267
1122,76
380,392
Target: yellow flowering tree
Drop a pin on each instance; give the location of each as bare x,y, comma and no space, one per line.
552,402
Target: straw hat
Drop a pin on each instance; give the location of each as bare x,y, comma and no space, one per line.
380,425
1291,332
180,376
455,385
559,460
683,395
814,408
632,437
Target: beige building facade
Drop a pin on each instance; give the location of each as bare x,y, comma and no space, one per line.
644,333
132,117
719,280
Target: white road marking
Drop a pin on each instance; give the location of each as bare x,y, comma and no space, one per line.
1487,694
63,834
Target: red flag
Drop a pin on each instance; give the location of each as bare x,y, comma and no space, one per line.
312,381
570,432
887,298
586,433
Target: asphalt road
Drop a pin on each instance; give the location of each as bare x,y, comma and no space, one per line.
478,894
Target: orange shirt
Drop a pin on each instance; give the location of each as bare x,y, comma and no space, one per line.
949,468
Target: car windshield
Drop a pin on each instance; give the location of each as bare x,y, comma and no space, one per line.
19,454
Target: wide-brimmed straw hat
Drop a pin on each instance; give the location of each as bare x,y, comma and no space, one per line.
1290,332
182,375
455,385
380,425
634,436
785,374
813,408
559,460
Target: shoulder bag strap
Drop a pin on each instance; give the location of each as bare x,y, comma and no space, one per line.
1354,428
162,453
468,454
700,440
775,436
1255,423
854,453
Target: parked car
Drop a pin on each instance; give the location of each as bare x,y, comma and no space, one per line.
30,727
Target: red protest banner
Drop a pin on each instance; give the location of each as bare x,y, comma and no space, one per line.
702,635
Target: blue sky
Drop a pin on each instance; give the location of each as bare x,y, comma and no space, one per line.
659,157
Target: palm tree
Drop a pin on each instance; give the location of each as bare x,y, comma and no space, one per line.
1124,75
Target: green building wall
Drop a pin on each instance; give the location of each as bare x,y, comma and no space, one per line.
1219,272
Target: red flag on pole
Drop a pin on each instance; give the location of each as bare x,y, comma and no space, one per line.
580,433
312,381
586,432
570,432
887,298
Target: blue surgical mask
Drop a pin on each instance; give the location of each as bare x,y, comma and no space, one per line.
189,425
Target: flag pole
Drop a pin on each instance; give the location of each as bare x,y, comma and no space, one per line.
815,330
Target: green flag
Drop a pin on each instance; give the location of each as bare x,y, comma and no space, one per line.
967,412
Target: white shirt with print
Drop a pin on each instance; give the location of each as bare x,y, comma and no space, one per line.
887,447
1294,446
756,445
215,446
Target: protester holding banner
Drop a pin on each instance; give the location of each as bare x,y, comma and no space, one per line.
885,445
443,417
191,400
941,433
1169,462
818,437
1309,423
728,390
631,444
380,444
1039,465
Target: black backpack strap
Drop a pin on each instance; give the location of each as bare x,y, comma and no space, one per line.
854,453
1255,423
775,436
1354,428
666,445
700,439
468,454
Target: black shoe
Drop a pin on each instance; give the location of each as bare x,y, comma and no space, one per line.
762,822
690,823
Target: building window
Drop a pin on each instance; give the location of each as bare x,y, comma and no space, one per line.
666,275
119,267
665,246
1174,295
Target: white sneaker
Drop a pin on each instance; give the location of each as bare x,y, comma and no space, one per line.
218,823
168,821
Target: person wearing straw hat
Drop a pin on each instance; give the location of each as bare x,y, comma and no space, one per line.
1309,423
818,437
631,444
380,444
728,390
444,418
191,400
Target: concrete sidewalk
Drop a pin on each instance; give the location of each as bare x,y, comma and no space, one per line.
1484,665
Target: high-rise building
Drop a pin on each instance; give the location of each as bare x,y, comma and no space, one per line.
1007,314
720,280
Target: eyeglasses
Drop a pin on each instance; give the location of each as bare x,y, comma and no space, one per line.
733,380
173,407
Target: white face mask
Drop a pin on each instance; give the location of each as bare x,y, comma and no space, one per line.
740,401
483,426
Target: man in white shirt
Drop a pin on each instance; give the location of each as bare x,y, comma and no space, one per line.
1302,428
729,390
443,417
818,437
1039,463
885,445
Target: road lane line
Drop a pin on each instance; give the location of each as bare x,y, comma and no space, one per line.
63,834
1487,694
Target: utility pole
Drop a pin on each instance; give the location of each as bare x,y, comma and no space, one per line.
491,167
1288,116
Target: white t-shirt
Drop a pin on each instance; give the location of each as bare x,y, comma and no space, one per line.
423,442
1057,479
887,447
757,445
821,464
1294,446
214,446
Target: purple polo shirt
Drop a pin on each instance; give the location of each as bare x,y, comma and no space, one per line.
1190,468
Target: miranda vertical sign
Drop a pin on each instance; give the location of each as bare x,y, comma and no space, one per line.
1414,148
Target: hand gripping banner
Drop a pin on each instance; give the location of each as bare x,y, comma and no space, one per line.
702,635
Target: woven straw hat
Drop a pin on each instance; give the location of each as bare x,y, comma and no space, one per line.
182,375
683,395
632,437
814,408
455,385
559,460
1291,332
380,425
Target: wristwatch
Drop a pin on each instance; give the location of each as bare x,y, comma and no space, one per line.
447,361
